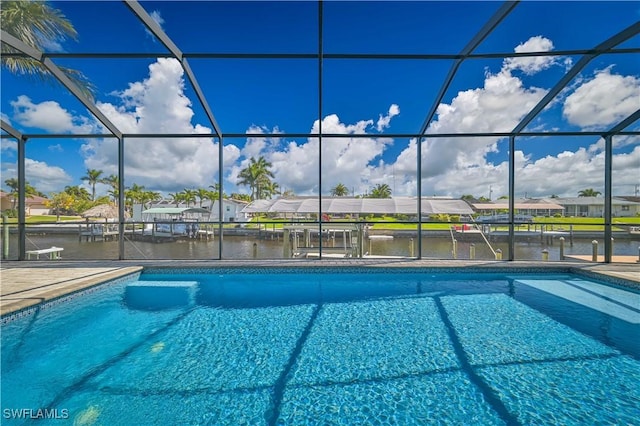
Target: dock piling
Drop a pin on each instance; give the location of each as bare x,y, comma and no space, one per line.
5,237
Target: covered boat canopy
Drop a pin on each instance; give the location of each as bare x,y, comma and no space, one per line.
175,212
346,205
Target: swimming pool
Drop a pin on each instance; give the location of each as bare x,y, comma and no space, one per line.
344,346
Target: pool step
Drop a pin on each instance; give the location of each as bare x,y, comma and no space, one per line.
158,295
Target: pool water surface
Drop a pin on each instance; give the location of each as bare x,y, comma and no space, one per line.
325,347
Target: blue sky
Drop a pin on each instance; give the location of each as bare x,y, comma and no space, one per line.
147,95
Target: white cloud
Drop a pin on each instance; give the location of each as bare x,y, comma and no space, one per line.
456,166
347,160
383,122
344,160
451,166
49,45
255,146
8,145
155,15
350,161
49,116
604,100
533,64
46,178
158,105
496,107
40,175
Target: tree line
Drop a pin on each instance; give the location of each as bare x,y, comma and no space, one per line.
257,175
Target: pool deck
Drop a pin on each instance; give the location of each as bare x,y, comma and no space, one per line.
24,284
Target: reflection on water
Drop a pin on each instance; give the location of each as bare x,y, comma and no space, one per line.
242,247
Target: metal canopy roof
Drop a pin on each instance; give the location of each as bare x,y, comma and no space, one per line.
345,205
520,206
175,210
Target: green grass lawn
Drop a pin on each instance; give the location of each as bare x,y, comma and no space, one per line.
586,220
45,219
391,223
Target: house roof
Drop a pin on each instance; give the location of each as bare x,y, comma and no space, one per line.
520,206
34,199
344,205
175,210
593,201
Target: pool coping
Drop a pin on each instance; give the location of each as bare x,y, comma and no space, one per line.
32,288
45,284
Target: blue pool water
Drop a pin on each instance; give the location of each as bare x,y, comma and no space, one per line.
329,347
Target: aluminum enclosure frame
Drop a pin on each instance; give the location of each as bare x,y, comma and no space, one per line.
587,54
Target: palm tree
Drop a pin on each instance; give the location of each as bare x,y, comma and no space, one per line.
38,25
133,195
177,198
241,197
189,196
268,188
114,182
202,194
340,190
381,190
77,192
211,196
14,186
92,177
145,197
589,192
257,173
216,189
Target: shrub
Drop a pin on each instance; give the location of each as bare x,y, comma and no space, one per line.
12,213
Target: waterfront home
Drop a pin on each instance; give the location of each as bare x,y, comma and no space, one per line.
34,205
522,206
231,210
594,206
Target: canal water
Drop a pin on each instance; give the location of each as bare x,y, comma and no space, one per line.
250,247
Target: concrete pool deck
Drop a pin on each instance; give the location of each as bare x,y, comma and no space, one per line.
24,284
